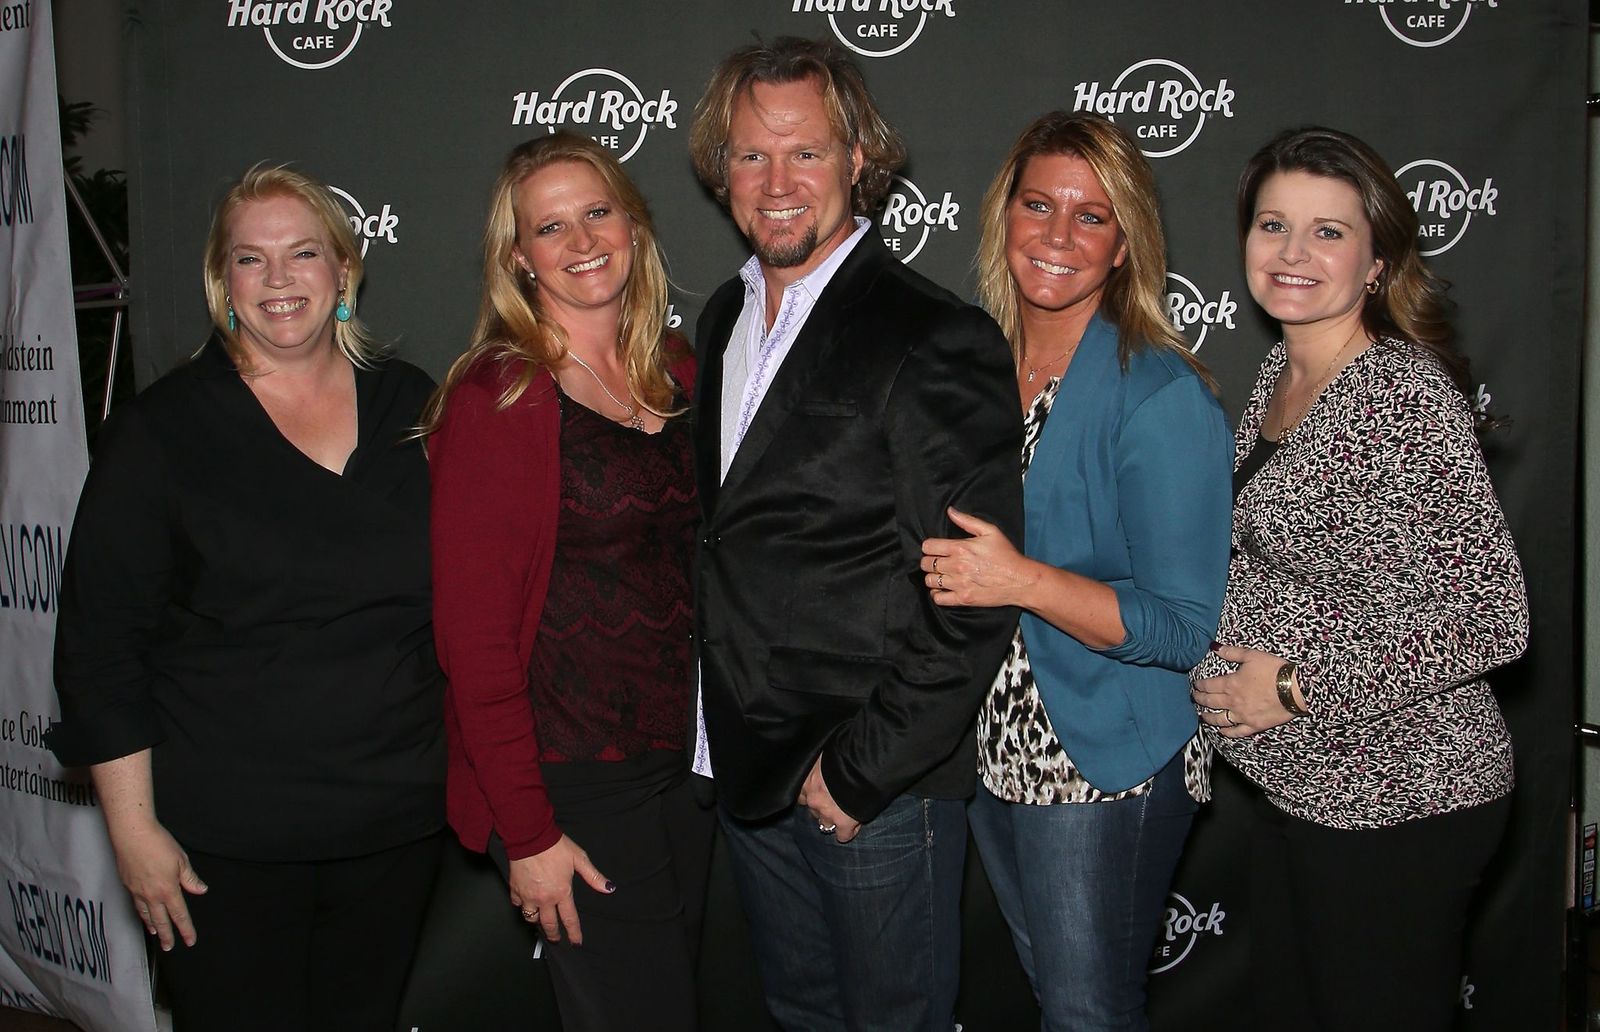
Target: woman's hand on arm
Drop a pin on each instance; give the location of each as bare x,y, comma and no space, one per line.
987,570
151,864
1244,702
541,887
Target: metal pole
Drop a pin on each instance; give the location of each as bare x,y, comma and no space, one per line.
121,282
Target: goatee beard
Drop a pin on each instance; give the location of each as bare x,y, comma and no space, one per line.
783,254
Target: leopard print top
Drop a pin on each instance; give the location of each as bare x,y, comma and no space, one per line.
1371,550
1019,757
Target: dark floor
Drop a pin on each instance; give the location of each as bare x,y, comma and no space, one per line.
21,1021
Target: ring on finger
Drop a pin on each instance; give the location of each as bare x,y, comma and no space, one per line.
827,829
1229,714
941,582
935,564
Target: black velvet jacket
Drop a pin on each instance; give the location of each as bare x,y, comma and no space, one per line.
816,633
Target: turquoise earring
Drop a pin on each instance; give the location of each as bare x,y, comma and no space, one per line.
342,313
233,323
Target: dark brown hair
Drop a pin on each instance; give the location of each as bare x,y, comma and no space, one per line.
1410,301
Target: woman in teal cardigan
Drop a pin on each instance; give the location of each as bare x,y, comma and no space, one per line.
1090,764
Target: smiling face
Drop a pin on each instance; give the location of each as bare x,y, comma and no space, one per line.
574,237
283,277
1308,254
789,177
1062,237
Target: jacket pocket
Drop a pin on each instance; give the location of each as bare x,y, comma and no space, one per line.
825,673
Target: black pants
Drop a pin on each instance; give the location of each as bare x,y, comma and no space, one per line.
1361,931
318,946
636,967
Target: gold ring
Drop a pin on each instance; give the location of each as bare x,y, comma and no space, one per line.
935,564
941,582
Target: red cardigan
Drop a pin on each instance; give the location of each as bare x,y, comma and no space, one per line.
496,489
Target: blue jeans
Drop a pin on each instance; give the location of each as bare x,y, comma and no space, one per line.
1083,886
860,936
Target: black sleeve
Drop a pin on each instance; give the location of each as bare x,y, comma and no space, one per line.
115,588
955,437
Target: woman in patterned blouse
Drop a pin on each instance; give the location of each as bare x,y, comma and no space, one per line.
1088,753
1373,584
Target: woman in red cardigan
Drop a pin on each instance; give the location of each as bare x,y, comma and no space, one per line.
563,513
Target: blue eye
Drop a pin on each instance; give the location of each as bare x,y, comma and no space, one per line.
1270,226
1329,233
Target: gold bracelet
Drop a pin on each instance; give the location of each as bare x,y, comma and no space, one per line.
1286,691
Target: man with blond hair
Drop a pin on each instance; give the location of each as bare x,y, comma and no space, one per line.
846,403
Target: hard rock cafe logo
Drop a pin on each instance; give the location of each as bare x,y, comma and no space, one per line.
1193,315
1426,23
311,34
910,217
369,226
876,28
1183,926
599,103
1445,202
1160,102
1480,401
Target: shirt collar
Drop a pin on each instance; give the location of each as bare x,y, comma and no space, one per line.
813,282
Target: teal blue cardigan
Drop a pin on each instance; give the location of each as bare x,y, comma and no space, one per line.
1131,485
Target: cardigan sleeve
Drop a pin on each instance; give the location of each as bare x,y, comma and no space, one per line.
1173,460
1430,489
495,490
115,588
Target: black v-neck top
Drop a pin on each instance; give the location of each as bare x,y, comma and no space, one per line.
263,623
1261,452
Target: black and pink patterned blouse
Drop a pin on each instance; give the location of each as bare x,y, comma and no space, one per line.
1371,550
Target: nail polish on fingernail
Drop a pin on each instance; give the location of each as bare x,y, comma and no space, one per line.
1216,645
611,886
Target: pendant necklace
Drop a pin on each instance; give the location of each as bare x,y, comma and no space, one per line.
633,418
1033,370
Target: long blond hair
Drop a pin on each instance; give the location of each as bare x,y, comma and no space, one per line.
513,324
1134,299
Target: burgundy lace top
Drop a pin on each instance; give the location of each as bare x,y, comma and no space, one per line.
610,674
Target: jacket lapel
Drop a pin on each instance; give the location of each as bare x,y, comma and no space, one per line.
818,339
715,326
1088,385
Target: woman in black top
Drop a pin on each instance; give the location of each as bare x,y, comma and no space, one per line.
244,655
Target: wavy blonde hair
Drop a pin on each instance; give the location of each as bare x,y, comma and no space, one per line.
261,182
1134,299
513,325
852,113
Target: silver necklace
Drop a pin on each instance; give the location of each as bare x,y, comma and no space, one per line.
633,418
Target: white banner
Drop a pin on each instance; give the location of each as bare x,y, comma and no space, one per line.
69,942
